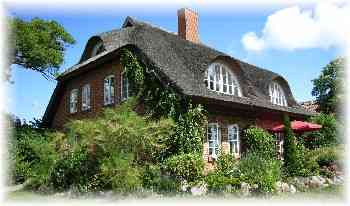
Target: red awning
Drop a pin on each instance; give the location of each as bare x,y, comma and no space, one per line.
298,126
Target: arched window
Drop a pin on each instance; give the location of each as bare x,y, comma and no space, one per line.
219,78
97,49
277,94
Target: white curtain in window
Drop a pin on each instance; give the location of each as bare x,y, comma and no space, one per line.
213,138
85,97
233,138
73,101
109,90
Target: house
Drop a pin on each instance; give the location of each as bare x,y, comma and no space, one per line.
236,94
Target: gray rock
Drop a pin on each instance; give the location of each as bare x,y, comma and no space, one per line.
285,187
199,189
329,181
315,182
322,180
278,186
292,189
184,186
245,189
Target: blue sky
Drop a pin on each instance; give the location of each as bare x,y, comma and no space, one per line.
222,29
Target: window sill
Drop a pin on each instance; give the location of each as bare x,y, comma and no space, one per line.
86,110
109,105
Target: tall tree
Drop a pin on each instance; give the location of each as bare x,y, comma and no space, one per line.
328,86
38,45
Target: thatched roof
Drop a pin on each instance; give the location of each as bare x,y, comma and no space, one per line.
184,64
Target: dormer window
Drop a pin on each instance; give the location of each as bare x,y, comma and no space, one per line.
97,49
221,79
277,95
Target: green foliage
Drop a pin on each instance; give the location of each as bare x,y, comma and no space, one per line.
256,169
122,130
328,135
76,168
326,156
32,154
328,87
151,176
292,165
185,166
38,44
260,141
308,165
226,164
162,100
189,132
119,173
218,182
153,179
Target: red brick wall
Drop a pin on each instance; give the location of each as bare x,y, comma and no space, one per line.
95,78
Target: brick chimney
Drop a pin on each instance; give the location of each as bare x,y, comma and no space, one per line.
188,25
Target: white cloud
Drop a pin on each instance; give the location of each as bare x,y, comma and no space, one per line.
326,25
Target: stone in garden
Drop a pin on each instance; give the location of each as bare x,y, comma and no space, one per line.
315,182
245,189
292,189
329,181
278,186
285,187
184,186
199,189
322,180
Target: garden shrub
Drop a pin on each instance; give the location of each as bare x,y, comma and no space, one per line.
226,164
260,141
256,169
32,155
218,182
185,166
151,176
325,156
308,164
120,174
292,164
21,152
328,135
76,168
122,130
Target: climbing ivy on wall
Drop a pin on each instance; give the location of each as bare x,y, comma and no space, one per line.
162,100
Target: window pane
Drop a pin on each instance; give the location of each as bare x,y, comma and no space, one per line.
230,89
211,86
236,147
224,88
236,91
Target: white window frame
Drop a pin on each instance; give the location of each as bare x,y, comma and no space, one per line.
232,141
109,90
277,95
86,97
216,147
122,92
219,78
73,101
